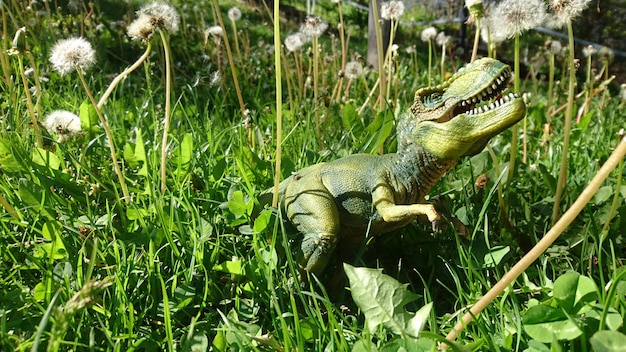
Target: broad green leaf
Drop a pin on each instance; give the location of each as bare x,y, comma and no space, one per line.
237,204
602,195
46,158
364,345
402,345
39,293
88,116
544,323
574,291
54,247
382,299
231,267
379,130
262,221
608,341
613,319
136,155
495,256
32,195
349,117
183,296
197,342
585,119
8,163
536,346
185,152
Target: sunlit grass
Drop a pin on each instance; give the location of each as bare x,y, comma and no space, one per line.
193,267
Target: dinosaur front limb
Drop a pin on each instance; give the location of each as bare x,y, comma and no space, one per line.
394,213
403,213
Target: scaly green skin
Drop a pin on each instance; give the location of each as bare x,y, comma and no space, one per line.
363,194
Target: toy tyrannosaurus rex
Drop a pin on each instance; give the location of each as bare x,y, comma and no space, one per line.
368,194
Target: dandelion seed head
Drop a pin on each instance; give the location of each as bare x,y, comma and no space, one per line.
589,50
70,54
566,10
163,16
215,31
216,78
295,41
514,17
353,70
428,34
443,39
606,54
64,123
392,10
554,46
141,28
313,27
475,8
234,14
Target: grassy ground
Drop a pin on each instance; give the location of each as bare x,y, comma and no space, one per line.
187,268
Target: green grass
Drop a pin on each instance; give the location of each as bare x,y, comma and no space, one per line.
189,269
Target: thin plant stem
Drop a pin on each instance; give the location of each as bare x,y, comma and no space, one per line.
379,48
316,105
616,196
29,102
344,50
235,37
123,75
279,102
589,85
231,62
567,126
168,108
430,59
496,167
476,39
443,60
388,61
31,59
614,159
550,83
9,208
109,136
514,129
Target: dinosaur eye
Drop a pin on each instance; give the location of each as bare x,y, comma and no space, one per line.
432,99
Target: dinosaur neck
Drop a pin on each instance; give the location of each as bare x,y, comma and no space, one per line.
413,171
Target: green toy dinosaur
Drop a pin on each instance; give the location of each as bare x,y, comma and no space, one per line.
360,195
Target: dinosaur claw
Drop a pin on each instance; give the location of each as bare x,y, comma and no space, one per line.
439,225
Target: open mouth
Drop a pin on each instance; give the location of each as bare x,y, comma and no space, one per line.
489,98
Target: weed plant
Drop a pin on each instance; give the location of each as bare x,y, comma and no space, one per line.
195,266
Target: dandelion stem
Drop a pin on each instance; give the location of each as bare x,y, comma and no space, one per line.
29,102
231,62
344,50
476,39
109,136
379,48
122,75
279,102
547,240
567,126
168,92
550,83
514,129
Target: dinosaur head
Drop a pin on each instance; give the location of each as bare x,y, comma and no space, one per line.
457,118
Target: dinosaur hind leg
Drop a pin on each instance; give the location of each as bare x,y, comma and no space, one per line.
316,217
